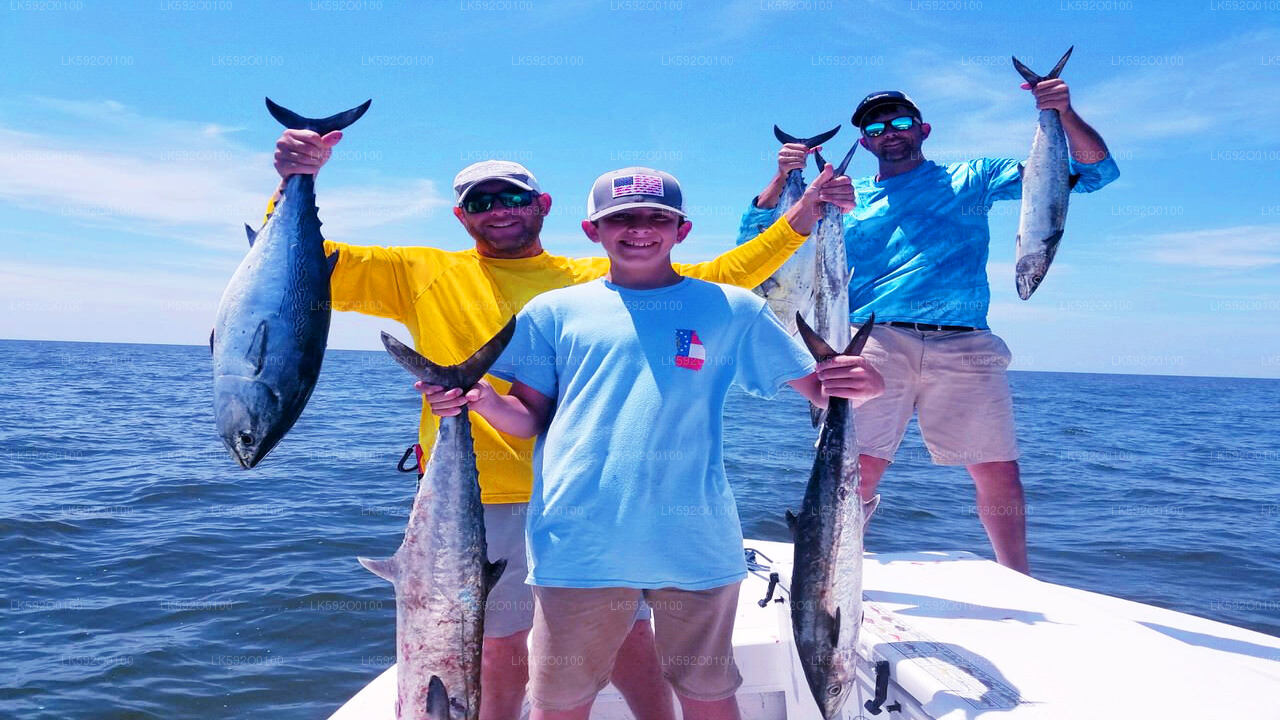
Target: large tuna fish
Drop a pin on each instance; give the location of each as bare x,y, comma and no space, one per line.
826,580
790,289
831,273
1046,185
441,571
273,322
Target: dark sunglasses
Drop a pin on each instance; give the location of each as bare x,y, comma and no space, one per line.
876,129
481,202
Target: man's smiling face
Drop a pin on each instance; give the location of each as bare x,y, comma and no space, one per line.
501,231
895,145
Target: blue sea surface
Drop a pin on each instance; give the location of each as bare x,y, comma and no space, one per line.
145,575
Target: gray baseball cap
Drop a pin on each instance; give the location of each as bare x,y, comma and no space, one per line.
476,173
634,187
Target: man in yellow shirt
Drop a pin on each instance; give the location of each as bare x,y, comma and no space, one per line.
452,302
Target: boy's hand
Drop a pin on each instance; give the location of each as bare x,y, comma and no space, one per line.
447,402
851,377
304,152
838,191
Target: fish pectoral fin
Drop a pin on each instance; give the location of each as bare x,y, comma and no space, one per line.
493,571
333,261
250,232
211,332
387,568
1072,180
257,352
791,524
437,699
816,414
869,509
835,628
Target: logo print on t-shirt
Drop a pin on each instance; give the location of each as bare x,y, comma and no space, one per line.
690,353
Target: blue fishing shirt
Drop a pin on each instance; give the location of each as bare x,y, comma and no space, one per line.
918,242
629,485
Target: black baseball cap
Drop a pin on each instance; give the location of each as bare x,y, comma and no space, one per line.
881,99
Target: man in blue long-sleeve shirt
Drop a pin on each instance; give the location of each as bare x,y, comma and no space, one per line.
917,242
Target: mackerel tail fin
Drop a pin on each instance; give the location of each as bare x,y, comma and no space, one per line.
814,141
463,375
322,126
819,348
1032,78
844,164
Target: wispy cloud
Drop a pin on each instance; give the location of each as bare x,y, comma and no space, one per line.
1246,247
186,180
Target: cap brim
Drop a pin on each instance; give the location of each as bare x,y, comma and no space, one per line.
504,178
631,206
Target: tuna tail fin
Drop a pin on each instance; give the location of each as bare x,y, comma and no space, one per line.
463,375
814,141
844,164
437,699
819,348
1032,78
387,568
322,126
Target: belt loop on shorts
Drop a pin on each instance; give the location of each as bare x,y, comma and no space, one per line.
928,327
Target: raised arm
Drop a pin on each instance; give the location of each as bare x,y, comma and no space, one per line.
752,263
523,412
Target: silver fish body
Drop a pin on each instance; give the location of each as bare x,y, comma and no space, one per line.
441,571
791,287
826,581
272,325
1046,188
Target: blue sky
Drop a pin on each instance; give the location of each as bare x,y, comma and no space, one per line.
134,144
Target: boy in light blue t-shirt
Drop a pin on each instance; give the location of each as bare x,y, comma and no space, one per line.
625,379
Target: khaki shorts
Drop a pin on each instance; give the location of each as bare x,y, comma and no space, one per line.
577,633
509,607
956,384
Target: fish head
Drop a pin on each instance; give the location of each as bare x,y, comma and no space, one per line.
1030,272
250,418
837,683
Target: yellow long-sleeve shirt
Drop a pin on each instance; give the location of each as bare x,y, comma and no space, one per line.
453,302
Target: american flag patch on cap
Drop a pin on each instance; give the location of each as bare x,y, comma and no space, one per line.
637,185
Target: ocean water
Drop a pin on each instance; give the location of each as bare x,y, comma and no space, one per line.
145,576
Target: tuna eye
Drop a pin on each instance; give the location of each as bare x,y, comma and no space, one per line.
833,690
246,439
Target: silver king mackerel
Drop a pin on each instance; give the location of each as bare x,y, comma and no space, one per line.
273,321
441,571
831,273
1046,188
790,289
826,580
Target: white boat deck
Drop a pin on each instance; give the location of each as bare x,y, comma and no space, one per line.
967,638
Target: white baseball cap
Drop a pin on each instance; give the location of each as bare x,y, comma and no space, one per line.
476,173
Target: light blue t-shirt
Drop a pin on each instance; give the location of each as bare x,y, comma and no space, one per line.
918,242
629,485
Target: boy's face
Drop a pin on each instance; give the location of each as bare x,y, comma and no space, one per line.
638,237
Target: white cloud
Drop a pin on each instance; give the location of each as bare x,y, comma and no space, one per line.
1245,247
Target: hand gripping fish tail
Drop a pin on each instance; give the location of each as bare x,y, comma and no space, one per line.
272,325
1046,187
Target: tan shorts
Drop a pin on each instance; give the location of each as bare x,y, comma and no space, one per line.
955,382
509,607
577,633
